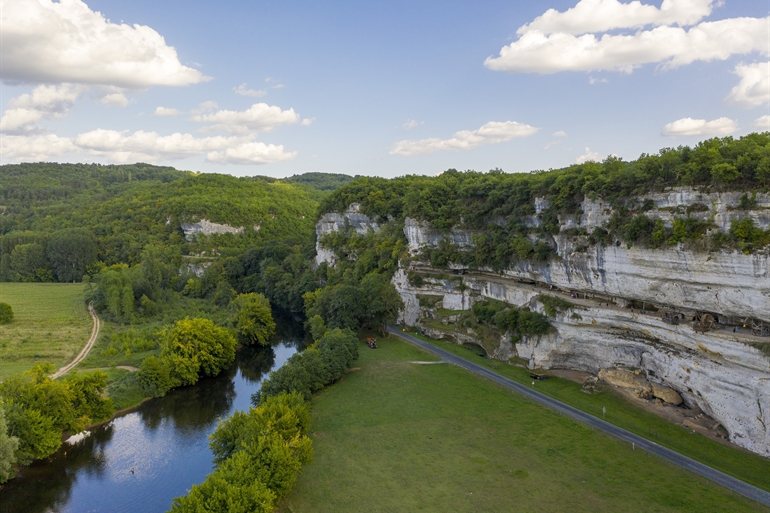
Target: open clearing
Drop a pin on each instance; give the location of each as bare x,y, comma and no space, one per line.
51,324
395,436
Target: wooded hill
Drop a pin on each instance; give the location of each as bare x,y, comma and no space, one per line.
124,208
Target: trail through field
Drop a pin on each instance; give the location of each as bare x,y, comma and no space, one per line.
84,352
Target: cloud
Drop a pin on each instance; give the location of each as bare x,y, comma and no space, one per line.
121,147
307,121
536,52
552,143
588,156
250,153
44,102
603,15
592,80
412,123
762,123
243,90
19,148
117,99
753,89
260,117
66,42
690,126
493,132
560,133
165,111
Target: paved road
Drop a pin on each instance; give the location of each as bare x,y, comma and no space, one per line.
84,352
736,485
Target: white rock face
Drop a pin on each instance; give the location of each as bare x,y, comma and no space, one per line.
728,283
421,234
725,377
716,371
333,222
207,228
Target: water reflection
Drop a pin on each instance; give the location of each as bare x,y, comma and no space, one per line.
164,441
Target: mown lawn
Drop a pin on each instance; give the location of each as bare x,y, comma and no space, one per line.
398,436
742,464
51,324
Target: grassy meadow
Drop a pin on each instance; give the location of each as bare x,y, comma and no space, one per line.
398,436
51,324
740,463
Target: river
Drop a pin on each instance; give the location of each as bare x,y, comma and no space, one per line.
164,441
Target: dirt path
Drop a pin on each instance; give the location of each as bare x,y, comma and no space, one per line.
84,352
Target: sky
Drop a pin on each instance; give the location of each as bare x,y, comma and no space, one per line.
376,88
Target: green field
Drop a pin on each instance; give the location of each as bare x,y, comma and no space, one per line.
399,436
51,324
740,463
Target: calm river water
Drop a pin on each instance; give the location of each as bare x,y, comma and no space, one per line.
164,441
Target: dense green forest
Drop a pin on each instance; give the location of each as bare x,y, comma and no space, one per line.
52,215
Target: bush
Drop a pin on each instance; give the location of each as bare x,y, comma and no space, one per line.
314,368
6,313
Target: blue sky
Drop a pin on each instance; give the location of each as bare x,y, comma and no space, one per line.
382,89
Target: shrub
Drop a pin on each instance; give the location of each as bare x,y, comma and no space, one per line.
6,313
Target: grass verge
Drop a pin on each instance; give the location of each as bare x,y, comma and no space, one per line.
399,436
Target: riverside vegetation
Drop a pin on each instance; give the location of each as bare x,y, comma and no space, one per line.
177,307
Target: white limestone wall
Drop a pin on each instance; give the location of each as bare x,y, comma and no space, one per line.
206,227
729,283
333,222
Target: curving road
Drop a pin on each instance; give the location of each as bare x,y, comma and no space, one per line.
736,485
84,352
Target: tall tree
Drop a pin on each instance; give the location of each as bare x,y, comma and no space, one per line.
28,260
70,252
253,319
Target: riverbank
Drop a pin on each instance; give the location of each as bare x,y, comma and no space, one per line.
404,437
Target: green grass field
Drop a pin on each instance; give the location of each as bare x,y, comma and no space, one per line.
742,464
51,324
398,436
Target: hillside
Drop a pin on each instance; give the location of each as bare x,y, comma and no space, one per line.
124,208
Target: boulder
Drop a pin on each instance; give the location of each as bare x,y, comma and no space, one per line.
667,395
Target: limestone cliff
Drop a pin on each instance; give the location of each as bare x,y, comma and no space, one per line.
725,374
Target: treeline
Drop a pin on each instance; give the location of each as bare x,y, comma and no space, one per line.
35,410
500,208
474,199
257,456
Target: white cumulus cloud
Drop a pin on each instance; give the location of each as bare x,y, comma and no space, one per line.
588,156
560,133
20,148
493,132
754,87
121,147
117,99
166,111
44,102
250,153
701,127
243,90
762,123
536,52
54,42
260,117
603,15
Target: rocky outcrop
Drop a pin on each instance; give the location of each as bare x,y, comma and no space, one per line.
333,222
206,227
